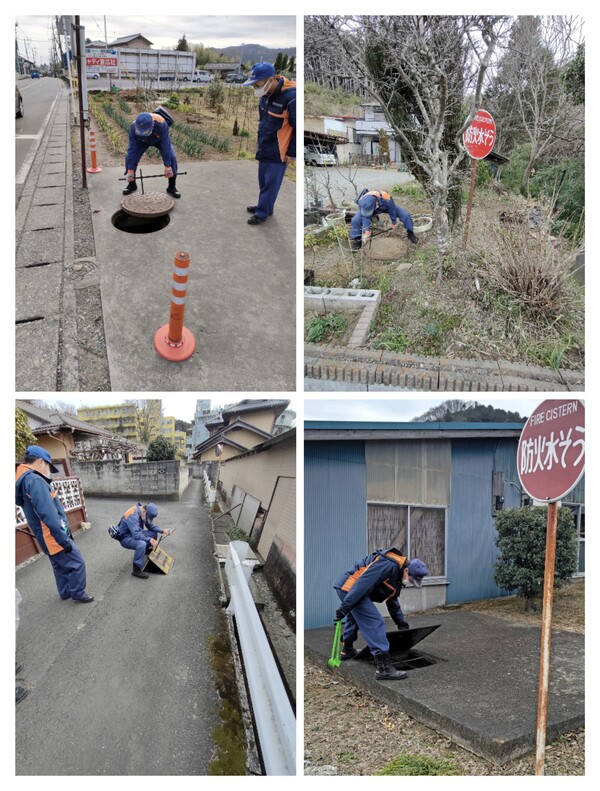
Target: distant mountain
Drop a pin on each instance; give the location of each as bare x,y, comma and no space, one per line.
255,52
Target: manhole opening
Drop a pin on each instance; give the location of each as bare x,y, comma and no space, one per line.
412,661
130,224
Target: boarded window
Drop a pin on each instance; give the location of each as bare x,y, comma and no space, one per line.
408,471
418,531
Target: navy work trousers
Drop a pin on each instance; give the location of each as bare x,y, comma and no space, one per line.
365,616
69,573
270,178
139,549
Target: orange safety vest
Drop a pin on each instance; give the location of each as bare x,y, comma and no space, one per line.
353,578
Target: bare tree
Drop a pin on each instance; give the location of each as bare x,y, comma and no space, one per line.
422,70
528,96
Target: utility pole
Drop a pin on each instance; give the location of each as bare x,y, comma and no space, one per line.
81,77
106,45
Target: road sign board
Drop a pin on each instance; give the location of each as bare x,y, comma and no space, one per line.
551,452
480,135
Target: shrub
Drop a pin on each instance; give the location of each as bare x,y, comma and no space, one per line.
521,540
160,449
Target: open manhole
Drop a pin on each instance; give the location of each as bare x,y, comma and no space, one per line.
130,224
402,653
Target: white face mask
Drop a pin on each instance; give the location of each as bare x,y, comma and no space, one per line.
258,92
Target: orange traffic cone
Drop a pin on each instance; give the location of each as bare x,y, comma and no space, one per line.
173,341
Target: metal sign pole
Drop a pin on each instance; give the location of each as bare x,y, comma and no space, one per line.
470,201
542,713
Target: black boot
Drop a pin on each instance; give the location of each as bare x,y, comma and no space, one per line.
137,572
131,187
172,189
385,671
347,652
356,245
251,209
412,237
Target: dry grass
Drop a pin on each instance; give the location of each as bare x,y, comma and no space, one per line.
470,315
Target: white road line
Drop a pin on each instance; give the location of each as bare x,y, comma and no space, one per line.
26,166
28,137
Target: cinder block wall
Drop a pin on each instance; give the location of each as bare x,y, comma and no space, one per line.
157,480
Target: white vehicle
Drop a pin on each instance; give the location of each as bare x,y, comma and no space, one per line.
313,155
201,75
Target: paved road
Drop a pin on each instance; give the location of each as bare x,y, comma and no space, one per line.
39,97
122,686
345,183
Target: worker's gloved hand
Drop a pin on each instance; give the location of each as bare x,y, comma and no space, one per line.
68,548
130,175
154,542
167,532
168,172
402,625
339,615
366,236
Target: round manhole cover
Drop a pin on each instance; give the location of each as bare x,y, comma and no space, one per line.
386,248
152,204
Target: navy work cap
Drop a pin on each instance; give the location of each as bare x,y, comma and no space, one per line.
417,570
260,71
367,205
151,512
41,453
143,124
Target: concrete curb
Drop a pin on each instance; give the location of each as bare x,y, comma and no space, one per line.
410,372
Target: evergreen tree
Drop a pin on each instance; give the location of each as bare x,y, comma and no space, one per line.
182,45
160,449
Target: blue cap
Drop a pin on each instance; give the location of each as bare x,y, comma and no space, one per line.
151,512
260,71
40,453
417,570
143,124
367,205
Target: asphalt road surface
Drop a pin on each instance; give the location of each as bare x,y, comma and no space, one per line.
39,97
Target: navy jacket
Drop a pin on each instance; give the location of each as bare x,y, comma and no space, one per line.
377,576
133,525
158,137
277,123
44,512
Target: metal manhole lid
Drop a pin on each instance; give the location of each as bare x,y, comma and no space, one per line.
151,204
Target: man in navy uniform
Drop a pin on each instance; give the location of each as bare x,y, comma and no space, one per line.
276,144
47,519
370,204
138,532
150,129
379,577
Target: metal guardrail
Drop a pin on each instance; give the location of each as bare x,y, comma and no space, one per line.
273,714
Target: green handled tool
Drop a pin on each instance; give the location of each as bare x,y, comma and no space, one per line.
334,660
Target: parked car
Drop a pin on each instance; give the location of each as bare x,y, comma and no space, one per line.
35,75
236,78
201,75
313,155
18,103
92,75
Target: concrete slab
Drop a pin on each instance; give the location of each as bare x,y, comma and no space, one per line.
482,691
46,217
129,675
37,371
52,180
241,293
43,246
48,195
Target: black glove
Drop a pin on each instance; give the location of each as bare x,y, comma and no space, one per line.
339,615
68,548
402,625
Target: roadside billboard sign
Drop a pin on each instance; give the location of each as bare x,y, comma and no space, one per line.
102,60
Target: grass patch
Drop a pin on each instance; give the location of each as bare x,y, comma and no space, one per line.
329,327
419,765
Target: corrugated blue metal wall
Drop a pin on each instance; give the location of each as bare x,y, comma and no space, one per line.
471,526
335,522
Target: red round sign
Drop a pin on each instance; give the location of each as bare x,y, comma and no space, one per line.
551,452
479,137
